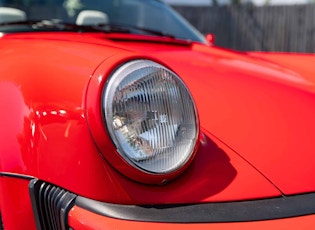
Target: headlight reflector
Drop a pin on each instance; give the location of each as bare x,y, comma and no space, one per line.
150,116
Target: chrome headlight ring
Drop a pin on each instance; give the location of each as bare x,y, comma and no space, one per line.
151,117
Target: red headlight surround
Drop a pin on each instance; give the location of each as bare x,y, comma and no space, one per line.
104,135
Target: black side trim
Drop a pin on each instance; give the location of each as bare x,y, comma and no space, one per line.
16,175
51,205
1,224
255,210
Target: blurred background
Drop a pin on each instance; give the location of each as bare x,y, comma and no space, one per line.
254,25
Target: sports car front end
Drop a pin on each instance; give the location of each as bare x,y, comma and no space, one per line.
110,123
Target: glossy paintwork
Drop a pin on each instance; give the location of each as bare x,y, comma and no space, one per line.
82,220
256,117
55,124
298,63
44,120
16,207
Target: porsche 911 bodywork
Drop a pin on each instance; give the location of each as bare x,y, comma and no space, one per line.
62,165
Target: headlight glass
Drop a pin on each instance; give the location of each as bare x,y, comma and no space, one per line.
150,116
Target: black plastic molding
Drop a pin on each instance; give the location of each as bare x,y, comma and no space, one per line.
239,211
51,205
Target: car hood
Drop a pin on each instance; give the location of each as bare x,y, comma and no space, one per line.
259,107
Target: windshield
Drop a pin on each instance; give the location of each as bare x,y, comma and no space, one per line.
138,16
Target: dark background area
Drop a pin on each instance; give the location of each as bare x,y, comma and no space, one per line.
289,28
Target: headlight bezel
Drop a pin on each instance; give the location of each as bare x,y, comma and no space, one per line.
111,154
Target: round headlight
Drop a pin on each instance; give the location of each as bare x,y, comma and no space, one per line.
150,116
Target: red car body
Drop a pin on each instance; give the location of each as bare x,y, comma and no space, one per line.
254,161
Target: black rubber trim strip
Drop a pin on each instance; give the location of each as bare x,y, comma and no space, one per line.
50,204
1,224
254,210
16,175
34,185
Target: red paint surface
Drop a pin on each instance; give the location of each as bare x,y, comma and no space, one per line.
15,203
51,126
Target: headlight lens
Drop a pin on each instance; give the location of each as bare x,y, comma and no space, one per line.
150,116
